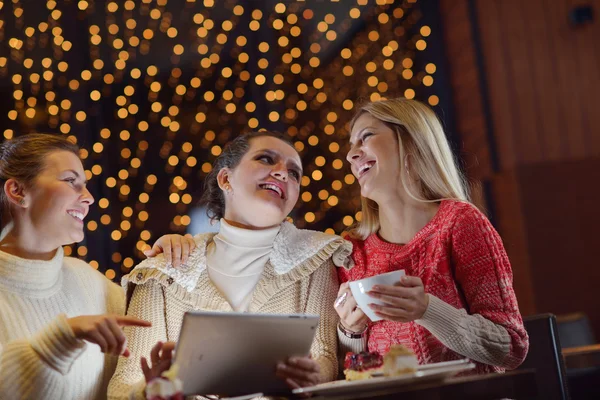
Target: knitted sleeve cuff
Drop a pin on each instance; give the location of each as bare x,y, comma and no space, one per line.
440,318
57,345
472,336
349,344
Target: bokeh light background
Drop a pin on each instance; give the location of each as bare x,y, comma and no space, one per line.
153,89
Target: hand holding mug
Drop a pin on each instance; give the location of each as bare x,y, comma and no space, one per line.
404,301
352,318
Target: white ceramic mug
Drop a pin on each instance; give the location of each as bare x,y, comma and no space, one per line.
361,287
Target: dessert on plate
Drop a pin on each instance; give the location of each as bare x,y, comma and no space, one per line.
399,360
362,365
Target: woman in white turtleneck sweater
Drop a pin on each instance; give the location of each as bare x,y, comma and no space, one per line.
47,301
255,263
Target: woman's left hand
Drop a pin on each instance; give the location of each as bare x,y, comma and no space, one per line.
299,372
161,358
405,301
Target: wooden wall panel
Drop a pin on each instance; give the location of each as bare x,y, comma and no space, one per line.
543,71
498,84
470,120
587,45
567,91
516,65
560,202
544,79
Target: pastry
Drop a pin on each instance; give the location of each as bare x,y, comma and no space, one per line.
362,365
399,360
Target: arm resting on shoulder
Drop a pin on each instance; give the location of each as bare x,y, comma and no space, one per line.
147,303
321,296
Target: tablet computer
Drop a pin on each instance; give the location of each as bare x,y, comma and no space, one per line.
232,354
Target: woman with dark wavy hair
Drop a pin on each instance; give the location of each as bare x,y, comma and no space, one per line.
257,262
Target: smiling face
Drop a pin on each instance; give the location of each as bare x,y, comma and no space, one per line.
374,157
58,201
263,188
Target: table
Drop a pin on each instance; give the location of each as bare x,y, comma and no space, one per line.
514,385
582,357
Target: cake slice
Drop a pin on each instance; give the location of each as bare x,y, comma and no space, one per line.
362,365
399,360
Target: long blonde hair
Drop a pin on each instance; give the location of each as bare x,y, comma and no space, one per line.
420,136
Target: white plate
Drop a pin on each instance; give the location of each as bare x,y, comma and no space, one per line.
428,367
424,373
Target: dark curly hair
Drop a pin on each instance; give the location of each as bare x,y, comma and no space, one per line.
23,158
212,197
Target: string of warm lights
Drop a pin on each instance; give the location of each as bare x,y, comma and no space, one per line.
152,91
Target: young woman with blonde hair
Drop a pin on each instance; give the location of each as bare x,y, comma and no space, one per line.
60,319
456,299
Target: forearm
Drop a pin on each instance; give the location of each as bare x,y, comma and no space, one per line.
353,345
472,336
39,363
146,303
320,301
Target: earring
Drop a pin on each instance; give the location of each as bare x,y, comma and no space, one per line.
22,202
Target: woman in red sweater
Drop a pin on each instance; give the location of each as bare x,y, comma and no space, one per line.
456,299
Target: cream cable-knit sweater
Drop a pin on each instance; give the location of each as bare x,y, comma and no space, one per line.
298,278
39,356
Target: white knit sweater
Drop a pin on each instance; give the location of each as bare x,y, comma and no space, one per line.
39,356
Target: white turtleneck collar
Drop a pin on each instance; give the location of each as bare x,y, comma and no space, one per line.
35,278
236,259
247,238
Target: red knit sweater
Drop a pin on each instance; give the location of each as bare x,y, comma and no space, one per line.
460,258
